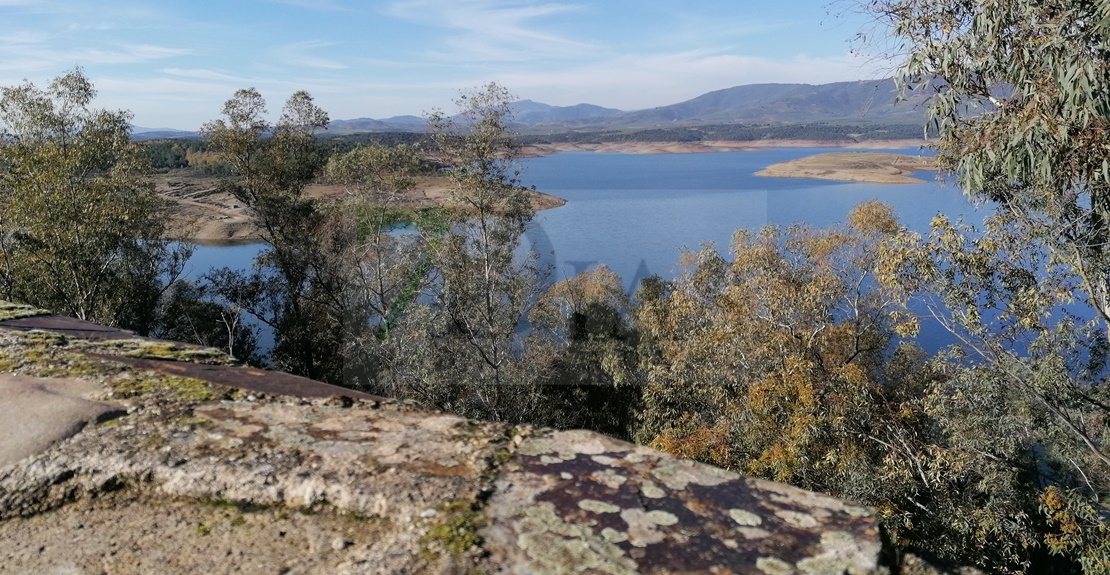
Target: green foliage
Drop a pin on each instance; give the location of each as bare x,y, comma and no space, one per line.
1020,101
482,295
594,381
293,287
787,336
81,232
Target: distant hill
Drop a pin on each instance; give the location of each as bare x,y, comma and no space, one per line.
860,102
142,130
141,134
857,102
394,124
529,113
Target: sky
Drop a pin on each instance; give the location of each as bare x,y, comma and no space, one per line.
173,63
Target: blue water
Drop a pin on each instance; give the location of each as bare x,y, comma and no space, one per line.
633,212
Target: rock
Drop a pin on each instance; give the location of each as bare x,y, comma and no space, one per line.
201,478
39,412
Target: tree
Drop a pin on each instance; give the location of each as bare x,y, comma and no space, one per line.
81,231
483,291
784,363
594,380
296,287
791,335
1020,95
388,271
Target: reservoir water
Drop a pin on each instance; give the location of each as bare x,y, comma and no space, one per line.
633,212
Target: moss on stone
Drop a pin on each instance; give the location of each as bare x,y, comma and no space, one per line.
455,529
172,351
10,310
171,387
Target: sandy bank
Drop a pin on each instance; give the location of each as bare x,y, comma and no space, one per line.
202,214
874,167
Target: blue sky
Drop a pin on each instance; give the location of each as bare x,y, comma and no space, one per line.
173,63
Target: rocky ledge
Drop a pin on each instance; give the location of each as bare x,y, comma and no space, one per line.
123,455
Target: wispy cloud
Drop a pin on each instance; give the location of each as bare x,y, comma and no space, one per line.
495,30
321,5
648,80
298,54
201,74
23,37
35,57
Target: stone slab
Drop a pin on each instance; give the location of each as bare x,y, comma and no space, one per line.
36,413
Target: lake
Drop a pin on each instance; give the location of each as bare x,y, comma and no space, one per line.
632,212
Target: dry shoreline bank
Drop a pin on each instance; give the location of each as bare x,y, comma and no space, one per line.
203,215
871,167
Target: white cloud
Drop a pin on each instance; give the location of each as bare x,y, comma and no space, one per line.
645,81
298,54
201,74
33,57
23,37
494,30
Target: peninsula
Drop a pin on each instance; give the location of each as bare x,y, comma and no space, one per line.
873,167
202,213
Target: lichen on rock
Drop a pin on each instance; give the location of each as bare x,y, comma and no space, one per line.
281,474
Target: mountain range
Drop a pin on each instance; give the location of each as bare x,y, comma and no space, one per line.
859,102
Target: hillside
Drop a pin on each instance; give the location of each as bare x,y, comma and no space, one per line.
862,102
867,102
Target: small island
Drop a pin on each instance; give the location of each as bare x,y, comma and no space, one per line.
873,167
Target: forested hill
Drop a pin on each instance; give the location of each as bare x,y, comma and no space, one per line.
857,102
869,103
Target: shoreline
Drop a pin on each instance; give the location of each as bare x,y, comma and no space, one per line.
865,167
205,217
708,146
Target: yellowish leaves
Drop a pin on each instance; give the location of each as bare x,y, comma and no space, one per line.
784,338
599,288
874,218
695,440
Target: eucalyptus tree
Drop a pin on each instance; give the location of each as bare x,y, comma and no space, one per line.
791,335
484,291
387,271
296,286
582,326
784,361
1020,94
81,230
